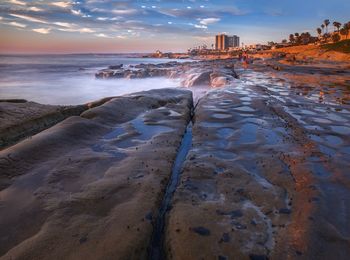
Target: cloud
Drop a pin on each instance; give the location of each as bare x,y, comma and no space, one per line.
200,26
76,12
63,24
86,30
118,19
17,2
35,9
102,35
81,30
80,13
207,21
29,18
21,25
61,4
201,12
124,11
42,30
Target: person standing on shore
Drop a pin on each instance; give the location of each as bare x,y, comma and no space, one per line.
245,59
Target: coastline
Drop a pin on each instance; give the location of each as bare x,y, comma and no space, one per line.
301,52
267,162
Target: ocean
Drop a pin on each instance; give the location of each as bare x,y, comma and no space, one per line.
70,79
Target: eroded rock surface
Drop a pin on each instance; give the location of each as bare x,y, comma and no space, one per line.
236,192
266,176
89,187
20,119
260,181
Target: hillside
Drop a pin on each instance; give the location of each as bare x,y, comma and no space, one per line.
333,52
343,46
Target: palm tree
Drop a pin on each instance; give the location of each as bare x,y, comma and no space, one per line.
305,38
322,26
326,23
346,26
345,30
319,32
308,37
291,38
337,25
297,38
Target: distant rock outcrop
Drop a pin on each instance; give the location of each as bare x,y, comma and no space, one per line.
215,73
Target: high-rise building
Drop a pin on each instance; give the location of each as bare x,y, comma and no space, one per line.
235,41
217,42
223,42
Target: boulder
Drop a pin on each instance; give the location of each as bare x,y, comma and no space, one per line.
118,73
221,81
197,79
115,67
104,74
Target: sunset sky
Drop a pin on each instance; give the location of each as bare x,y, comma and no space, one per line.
83,26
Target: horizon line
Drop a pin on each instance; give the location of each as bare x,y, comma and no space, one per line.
72,53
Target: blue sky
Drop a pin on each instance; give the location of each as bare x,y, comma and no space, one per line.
147,25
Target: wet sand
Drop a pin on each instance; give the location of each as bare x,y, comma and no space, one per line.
263,173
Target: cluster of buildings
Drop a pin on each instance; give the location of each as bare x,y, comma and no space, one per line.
225,42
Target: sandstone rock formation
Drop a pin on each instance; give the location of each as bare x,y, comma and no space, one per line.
89,187
22,119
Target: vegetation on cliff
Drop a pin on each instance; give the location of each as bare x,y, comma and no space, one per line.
342,46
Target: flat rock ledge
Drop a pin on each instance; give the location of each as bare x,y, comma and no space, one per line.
255,182
89,187
20,119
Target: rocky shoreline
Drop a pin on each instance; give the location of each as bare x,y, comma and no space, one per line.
214,73
254,167
21,119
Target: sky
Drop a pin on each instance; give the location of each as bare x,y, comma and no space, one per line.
110,26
